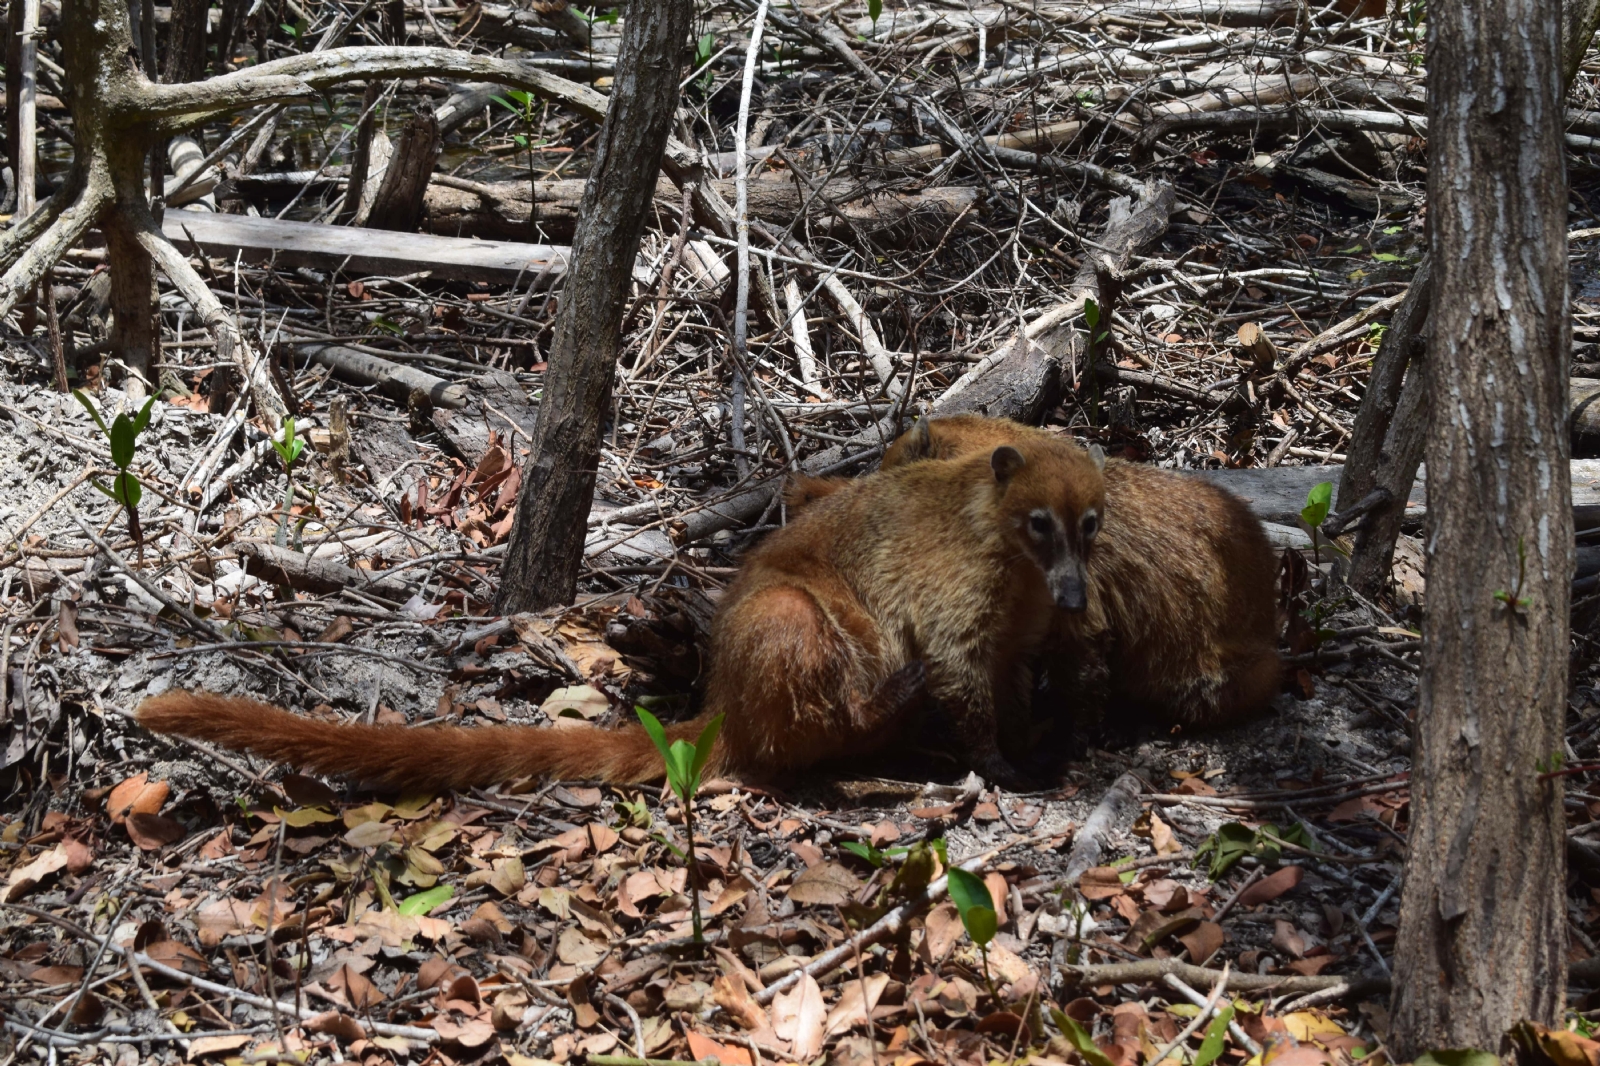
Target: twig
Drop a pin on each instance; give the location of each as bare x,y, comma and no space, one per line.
203,628
1115,809
1189,1030
1173,981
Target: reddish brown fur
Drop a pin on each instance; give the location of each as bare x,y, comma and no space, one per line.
1182,581
817,649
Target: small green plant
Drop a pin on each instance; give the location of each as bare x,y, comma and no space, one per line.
874,12
1080,1039
1318,502
1234,841
123,435
976,907
683,762
1096,340
702,58
1513,599
1216,1035
288,449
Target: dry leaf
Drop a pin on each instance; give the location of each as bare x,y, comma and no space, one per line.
1288,939
1101,882
341,1027
797,1016
1203,941
942,929
575,948
856,1003
358,991
703,1047
25,879
151,832
137,794
825,884
1271,887
730,993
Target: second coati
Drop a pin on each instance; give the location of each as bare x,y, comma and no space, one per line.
1182,603
937,579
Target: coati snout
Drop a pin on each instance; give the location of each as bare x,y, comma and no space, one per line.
1060,535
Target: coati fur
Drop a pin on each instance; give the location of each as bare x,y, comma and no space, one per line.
936,580
1182,610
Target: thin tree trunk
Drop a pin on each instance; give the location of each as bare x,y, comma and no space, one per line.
398,205
186,42
546,548
1482,934
361,155
1386,445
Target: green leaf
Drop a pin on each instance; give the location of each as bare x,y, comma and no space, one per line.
122,437
142,419
1388,257
132,491
1091,314
680,770
703,746
972,900
1216,1036
425,902
864,851
1318,500
109,492
658,735
1081,1042
94,414
874,10
702,48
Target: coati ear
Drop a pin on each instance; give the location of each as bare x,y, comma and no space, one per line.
1006,461
1097,455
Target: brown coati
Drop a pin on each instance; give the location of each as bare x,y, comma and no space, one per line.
938,579
1182,604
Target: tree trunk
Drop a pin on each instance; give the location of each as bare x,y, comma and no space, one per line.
1386,444
1482,933
361,155
186,42
546,548
398,205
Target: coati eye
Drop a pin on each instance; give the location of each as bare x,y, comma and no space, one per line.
1039,525
1091,525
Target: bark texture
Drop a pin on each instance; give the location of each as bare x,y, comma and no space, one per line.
1482,922
546,548
398,205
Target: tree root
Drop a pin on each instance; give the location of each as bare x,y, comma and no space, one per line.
60,234
231,343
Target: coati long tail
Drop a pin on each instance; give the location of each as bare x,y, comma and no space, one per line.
427,759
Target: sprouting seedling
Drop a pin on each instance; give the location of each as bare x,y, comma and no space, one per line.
702,58
1513,599
123,435
874,12
288,449
1315,512
683,762
976,907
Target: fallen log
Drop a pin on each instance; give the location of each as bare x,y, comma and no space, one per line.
395,379
306,573
359,251
512,210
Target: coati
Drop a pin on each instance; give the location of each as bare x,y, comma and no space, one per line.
1182,583
938,579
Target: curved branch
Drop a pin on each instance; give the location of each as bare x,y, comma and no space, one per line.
61,234
28,231
231,343
323,70
173,110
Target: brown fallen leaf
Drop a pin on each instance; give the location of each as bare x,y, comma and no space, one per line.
1203,941
341,1027
584,1013
730,993
179,956
1272,886
1287,939
825,884
26,878
797,1016
358,991
137,794
942,929
857,1000
151,832
703,1047
471,1033
1101,882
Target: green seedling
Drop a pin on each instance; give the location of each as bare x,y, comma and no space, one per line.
288,449
702,56
1093,316
1080,1040
1513,599
683,762
874,12
1234,841
526,107
976,907
123,435
1318,503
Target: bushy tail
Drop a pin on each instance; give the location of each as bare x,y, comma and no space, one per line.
425,759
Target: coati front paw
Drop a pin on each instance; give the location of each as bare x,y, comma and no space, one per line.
998,771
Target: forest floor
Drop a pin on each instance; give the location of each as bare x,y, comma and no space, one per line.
169,902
